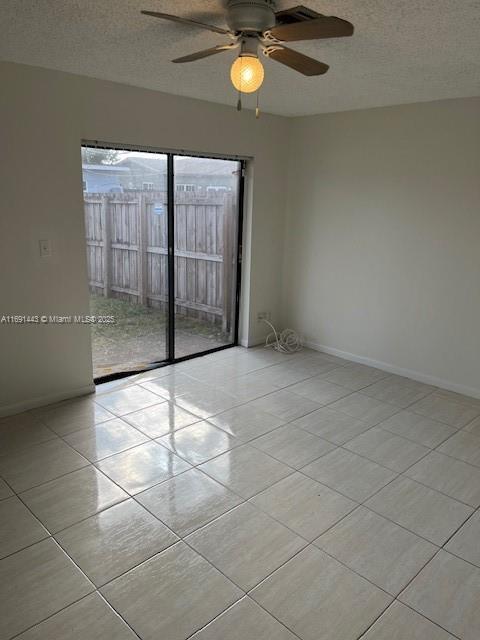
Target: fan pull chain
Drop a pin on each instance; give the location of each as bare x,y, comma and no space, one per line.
239,103
257,108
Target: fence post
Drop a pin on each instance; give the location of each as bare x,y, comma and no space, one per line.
227,262
142,250
107,247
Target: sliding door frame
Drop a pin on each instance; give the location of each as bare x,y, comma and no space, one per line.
170,325
171,258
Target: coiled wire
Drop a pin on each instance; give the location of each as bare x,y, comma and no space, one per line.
287,341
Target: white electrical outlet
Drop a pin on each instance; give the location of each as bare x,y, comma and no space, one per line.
263,315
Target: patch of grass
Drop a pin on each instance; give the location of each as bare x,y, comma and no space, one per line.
137,321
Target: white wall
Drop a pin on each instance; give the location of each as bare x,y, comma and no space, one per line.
45,115
382,245
379,249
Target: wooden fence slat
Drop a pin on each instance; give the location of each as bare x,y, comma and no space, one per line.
126,237
227,279
106,227
185,254
142,252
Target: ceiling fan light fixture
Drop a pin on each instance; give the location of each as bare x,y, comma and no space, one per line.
255,24
247,73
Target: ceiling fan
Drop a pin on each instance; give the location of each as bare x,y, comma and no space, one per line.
255,25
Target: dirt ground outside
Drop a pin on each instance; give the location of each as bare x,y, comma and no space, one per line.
139,336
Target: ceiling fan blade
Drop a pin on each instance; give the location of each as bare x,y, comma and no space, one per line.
297,61
317,28
296,14
205,53
192,23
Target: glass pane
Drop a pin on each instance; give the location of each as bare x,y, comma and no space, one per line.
125,199
206,231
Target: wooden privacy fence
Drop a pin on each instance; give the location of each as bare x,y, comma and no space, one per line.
127,251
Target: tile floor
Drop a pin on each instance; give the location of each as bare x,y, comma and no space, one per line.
245,495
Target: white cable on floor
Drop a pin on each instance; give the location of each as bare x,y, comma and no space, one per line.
287,341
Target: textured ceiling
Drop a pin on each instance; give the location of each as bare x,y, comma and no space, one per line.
402,50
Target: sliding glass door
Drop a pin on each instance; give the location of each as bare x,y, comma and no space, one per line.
162,238
206,215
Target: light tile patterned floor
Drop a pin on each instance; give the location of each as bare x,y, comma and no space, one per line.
245,495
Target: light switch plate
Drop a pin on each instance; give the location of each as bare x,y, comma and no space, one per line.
45,248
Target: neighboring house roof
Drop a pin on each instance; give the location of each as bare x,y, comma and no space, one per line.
183,165
109,168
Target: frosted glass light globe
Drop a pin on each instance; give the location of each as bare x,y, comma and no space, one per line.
247,74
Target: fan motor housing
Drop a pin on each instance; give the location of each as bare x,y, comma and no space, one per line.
250,15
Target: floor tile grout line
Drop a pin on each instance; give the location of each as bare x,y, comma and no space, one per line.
79,569
53,534
364,506
123,573
143,506
406,407
95,588
307,545
282,388
295,533
421,444
63,475
290,422
455,555
182,539
302,358
39,622
100,595
362,455
298,470
379,463
410,530
427,618
427,486
396,478
363,503
95,462
364,634
437,552
32,544
442,421
454,533
293,471
278,388
345,363
138,444
92,426
457,530
411,581
247,402
321,406
75,602
287,476
242,404
255,603
317,549
379,425
449,455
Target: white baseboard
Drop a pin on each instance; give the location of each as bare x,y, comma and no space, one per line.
391,368
251,342
41,401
